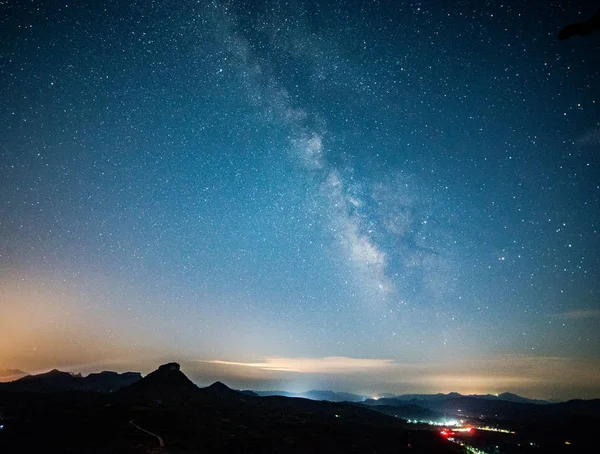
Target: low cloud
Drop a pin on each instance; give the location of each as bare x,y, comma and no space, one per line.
326,365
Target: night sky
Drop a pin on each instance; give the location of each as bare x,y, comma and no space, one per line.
366,196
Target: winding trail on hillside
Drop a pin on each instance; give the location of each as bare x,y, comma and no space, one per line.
160,440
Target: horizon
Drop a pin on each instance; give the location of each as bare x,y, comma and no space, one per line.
292,386
368,195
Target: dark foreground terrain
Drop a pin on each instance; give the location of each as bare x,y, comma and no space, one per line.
165,412
166,408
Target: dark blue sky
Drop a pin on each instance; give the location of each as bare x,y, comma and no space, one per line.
371,196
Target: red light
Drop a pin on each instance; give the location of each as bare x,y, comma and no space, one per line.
444,433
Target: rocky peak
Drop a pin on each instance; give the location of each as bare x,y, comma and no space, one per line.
170,367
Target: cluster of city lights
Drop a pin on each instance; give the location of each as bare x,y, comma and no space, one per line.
443,422
495,429
447,433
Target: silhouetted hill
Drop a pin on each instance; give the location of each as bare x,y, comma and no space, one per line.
55,380
579,407
166,384
108,381
58,381
222,390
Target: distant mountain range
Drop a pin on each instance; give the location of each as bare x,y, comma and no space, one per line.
402,399
391,399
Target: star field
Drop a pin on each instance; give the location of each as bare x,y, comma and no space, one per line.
410,186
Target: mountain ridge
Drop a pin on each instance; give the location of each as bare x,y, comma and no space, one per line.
94,382
59,381
336,396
